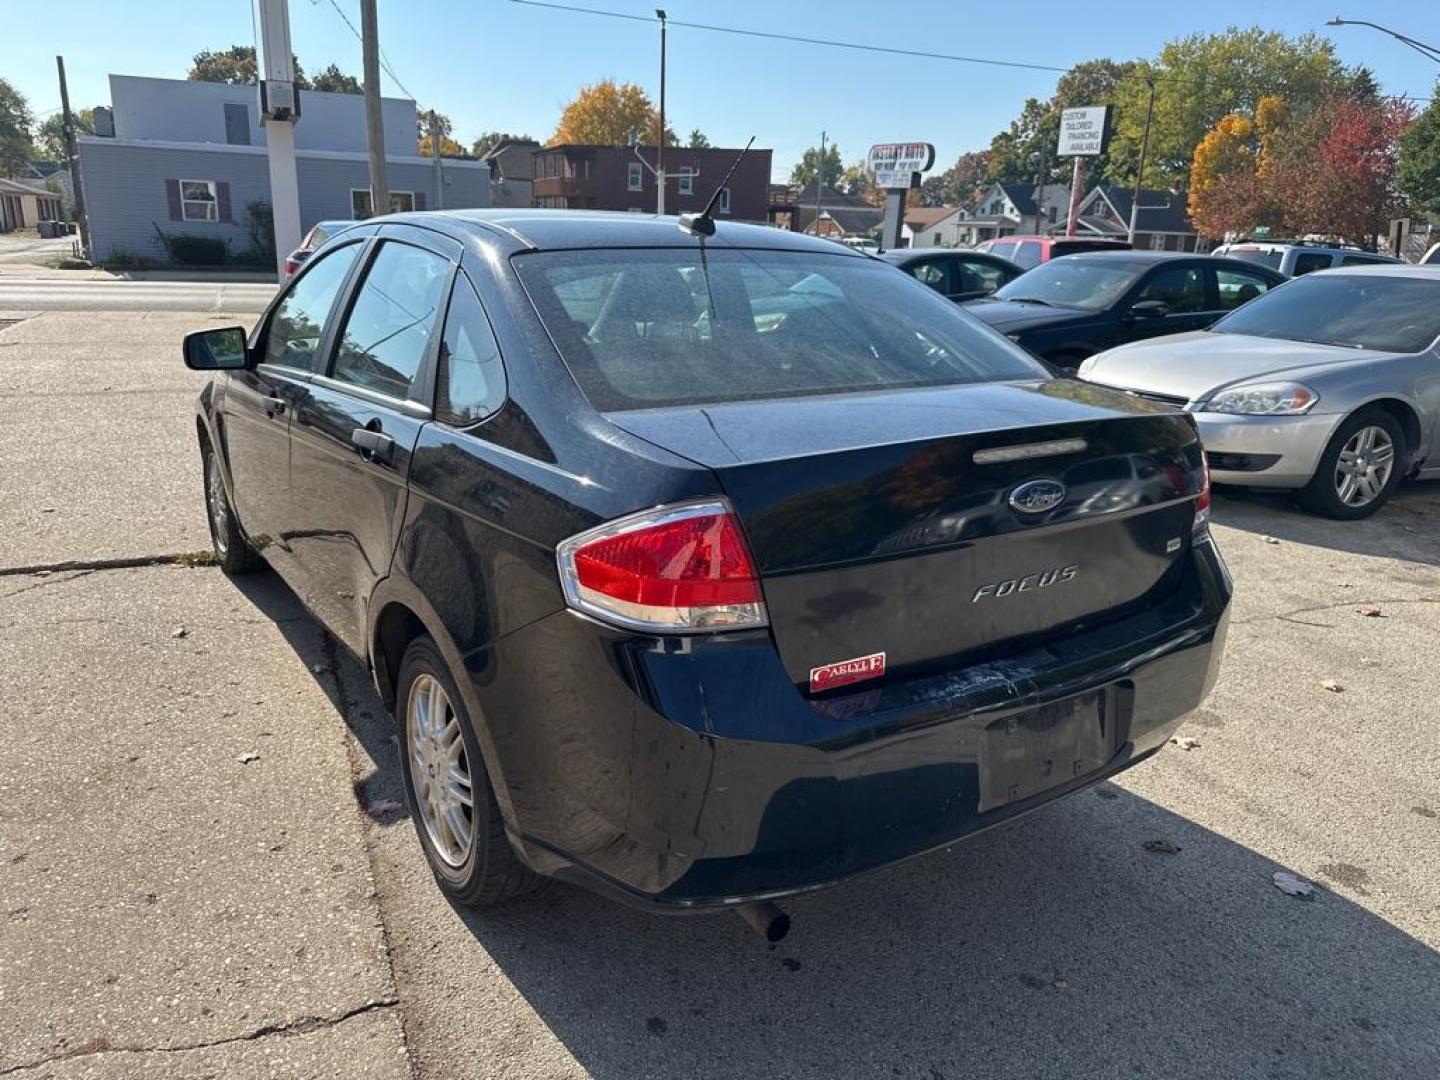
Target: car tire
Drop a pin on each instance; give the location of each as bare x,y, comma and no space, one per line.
1325,494
469,853
232,550
1066,361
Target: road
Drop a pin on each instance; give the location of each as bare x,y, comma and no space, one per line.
62,294
175,906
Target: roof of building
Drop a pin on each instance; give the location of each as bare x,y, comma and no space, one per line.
1160,210
922,217
851,219
1023,195
26,187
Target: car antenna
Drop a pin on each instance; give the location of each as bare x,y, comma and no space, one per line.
703,224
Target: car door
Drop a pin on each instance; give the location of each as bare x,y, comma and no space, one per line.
1235,286
259,402
356,426
1183,289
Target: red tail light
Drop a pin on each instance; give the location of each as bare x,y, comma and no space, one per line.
679,568
291,265
1201,529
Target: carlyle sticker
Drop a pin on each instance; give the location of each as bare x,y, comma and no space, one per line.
845,672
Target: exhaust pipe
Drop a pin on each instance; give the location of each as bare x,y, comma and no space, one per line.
765,919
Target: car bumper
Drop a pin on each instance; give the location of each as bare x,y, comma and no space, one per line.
691,773
1264,451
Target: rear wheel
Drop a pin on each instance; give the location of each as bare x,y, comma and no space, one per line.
1359,469
232,551
447,788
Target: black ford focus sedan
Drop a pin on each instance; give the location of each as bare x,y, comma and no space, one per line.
702,570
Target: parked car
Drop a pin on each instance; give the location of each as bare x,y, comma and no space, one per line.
318,234
694,606
1028,252
867,244
1326,386
960,275
1066,310
1431,256
1295,257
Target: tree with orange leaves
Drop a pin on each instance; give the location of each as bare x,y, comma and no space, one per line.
604,115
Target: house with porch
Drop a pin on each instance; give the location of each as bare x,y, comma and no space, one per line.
1011,209
1161,225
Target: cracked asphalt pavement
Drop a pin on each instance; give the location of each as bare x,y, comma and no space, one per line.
192,886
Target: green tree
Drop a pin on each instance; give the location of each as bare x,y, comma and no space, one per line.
1418,171
858,180
828,167
336,82
15,120
698,141
235,65
1204,77
50,135
491,139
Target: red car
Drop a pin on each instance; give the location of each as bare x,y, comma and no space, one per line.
318,234
1030,251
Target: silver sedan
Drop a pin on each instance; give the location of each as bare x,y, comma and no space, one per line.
1328,385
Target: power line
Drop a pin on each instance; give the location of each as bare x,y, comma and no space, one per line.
915,53
384,60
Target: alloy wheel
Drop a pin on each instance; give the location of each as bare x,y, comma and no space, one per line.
215,502
439,771
1363,468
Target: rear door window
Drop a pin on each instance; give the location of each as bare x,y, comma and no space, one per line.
470,380
1308,261
1180,288
1004,248
1027,254
643,327
293,335
933,273
1236,287
383,340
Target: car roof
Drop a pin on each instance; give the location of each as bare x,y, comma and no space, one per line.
527,229
1303,245
1396,270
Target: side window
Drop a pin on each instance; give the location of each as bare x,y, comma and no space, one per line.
299,319
470,383
1181,288
977,277
384,337
1307,261
932,274
1237,287
1360,260
1027,254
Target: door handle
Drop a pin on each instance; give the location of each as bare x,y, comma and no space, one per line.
274,407
373,445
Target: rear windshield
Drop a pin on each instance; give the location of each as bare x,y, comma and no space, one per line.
1257,256
1361,311
641,328
1072,247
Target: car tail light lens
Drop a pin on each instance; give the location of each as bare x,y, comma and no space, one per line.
291,265
679,569
1201,529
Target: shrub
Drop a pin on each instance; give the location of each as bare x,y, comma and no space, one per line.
188,249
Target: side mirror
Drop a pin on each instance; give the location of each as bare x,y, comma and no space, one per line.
1150,309
216,350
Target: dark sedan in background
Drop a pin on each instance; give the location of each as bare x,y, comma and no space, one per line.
955,273
703,571
1068,309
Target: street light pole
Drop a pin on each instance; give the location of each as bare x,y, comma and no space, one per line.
660,152
1427,51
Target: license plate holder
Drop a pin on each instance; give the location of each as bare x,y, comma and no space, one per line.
1031,751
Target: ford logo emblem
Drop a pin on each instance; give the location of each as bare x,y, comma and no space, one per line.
1037,496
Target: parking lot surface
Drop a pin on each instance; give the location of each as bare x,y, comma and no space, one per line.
193,884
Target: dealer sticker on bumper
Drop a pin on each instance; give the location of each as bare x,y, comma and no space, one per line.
844,672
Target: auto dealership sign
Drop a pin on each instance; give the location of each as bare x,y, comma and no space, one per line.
897,166
1084,132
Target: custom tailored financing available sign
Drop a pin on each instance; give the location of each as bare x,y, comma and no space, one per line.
1084,132
899,165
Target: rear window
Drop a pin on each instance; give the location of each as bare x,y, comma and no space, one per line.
1073,247
1361,311
1257,256
648,328
1028,254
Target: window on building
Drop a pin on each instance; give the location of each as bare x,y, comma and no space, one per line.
634,179
1052,212
401,202
724,200
385,334
470,384
552,164
1157,241
198,201
687,180
237,123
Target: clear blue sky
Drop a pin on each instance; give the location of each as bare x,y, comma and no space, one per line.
492,64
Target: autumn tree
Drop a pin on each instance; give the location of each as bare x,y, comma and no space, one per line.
1417,173
698,141
1224,181
491,139
15,147
604,114
235,65
430,123
812,163
335,81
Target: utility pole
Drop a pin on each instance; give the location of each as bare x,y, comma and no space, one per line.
73,159
819,182
660,152
374,121
435,137
1140,172
279,109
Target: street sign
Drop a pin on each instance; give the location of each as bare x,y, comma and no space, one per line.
897,166
1084,132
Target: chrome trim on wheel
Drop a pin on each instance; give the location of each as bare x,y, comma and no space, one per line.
439,771
1363,468
215,502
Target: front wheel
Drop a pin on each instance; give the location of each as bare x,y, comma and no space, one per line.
232,551
1359,468
447,788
